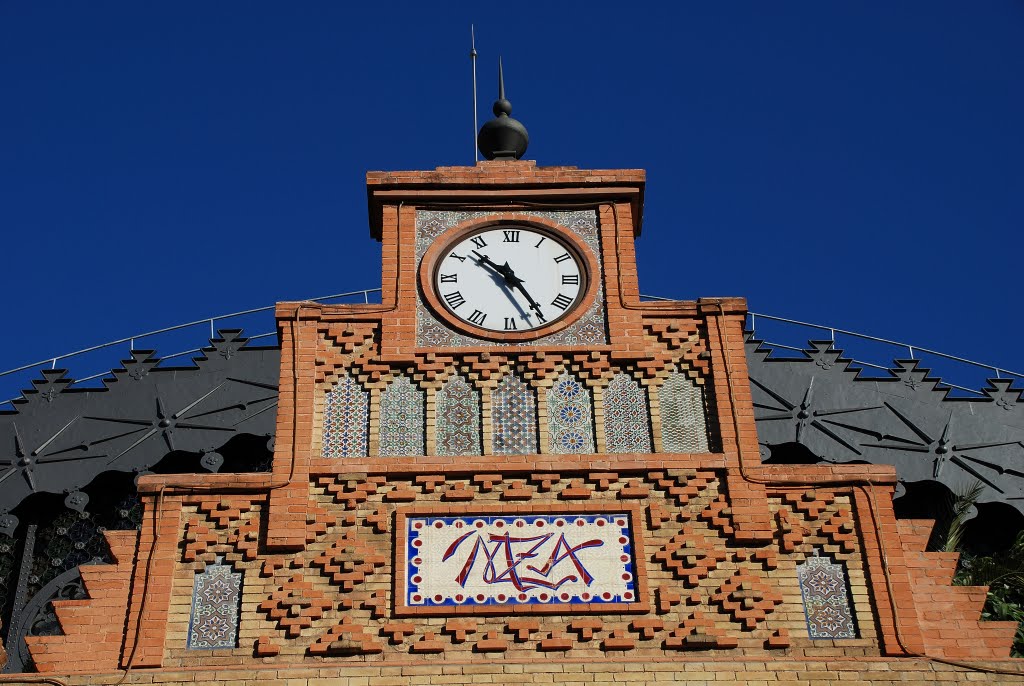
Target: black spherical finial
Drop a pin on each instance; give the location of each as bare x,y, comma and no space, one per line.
502,138
502,107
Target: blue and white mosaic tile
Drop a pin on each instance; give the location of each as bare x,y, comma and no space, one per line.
570,424
402,408
627,421
215,600
458,418
346,420
684,426
826,596
514,417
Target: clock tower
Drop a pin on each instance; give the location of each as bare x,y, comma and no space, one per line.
512,466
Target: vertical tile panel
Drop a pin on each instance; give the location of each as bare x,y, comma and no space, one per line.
514,417
570,425
401,419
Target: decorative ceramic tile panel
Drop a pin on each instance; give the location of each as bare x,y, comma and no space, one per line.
626,419
588,329
401,419
529,559
346,420
570,428
826,596
514,417
458,418
684,426
214,619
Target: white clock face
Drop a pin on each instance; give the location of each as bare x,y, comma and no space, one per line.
510,278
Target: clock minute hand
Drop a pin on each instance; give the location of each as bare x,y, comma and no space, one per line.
511,280
516,282
533,303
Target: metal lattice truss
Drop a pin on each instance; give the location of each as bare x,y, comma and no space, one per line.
907,419
59,439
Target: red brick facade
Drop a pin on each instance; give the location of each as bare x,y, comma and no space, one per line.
717,536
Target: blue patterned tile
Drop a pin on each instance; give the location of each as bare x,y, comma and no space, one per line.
214,619
346,420
401,419
458,418
626,418
826,595
514,417
570,426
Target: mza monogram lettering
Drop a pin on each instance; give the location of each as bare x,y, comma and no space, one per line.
506,558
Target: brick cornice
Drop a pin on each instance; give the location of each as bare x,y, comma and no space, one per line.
503,182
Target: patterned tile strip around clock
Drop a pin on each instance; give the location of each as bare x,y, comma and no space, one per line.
346,420
458,418
401,419
514,417
683,421
627,420
570,428
590,328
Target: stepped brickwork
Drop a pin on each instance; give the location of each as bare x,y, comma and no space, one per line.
94,628
949,616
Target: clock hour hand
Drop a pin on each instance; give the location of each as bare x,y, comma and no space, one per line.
506,271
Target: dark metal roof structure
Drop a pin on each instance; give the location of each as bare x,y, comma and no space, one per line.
826,403
59,439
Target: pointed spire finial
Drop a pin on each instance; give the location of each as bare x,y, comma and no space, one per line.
502,138
501,81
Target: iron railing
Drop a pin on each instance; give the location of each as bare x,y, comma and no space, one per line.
147,338
791,326
913,352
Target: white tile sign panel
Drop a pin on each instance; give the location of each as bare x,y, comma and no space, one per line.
531,559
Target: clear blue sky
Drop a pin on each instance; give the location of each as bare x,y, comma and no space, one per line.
860,164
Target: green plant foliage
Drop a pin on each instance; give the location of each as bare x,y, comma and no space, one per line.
1002,572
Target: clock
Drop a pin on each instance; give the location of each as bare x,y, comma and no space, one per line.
507,281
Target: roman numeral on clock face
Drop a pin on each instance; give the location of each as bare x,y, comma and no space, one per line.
563,257
511,236
454,278
567,279
510,324
478,317
454,299
479,242
561,301
460,258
